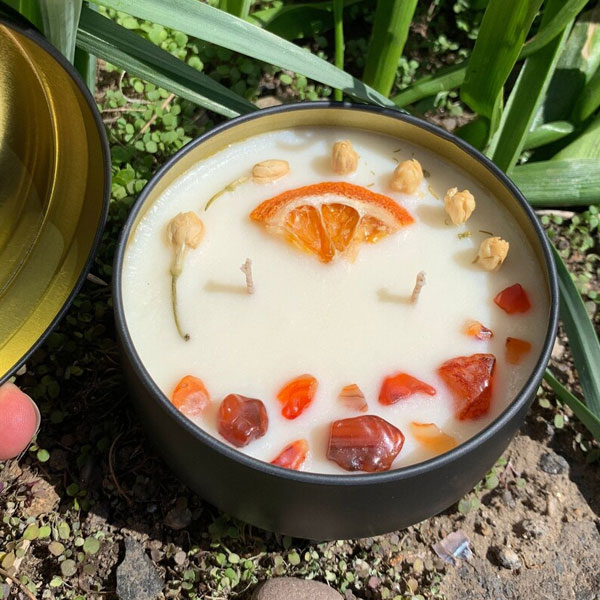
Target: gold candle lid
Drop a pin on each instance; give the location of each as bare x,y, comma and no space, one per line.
54,187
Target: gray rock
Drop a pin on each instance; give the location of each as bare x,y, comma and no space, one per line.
554,464
137,577
508,558
533,529
508,499
290,588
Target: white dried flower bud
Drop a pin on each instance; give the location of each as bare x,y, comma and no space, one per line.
344,158
270,170
185,229
407,176
459,205
492,252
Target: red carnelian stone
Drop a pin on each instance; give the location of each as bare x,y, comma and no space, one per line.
470,380
293,455
513,299
190,396
242,419
296,395
401,386
477,330
365,443
516,349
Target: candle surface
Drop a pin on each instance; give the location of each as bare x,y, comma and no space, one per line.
342,322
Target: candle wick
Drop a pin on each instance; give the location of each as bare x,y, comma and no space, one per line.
246,269
421,281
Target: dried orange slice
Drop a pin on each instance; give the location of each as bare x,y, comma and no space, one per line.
331,218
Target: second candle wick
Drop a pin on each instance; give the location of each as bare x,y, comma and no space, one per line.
246,269
421,281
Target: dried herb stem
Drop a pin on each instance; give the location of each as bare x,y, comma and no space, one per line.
228,188
174,278
246,269
418,287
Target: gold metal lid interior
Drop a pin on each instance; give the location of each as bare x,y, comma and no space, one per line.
52,191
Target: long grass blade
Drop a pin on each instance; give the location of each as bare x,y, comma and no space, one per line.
570,182
445,79
527,96
583,340
452,77
217,27
547,133
579,61
501,37
566,13
86,64
30,9
104,38
587,145
589,99
581,411
338,20
389,34
60,18
294,21
237,8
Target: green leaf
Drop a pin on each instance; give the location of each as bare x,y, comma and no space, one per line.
583,339
475,132
389,34
445,79
60,18
570,182
31,532
501,36
589,99
141,58
587,145
527,96
237,8
578,62
547,133
43,455
581,411
68,568
30,9
91,545
217,27
338,19
453,76
566,13
293,21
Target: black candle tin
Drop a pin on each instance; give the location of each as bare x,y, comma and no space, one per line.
313,505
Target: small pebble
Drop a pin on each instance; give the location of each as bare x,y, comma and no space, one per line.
418,566
551,506
552,463
291,588
533,529
508,559
508,499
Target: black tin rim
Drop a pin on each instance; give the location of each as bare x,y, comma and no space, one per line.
18,23
521,399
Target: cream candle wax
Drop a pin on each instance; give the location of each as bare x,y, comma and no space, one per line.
343,322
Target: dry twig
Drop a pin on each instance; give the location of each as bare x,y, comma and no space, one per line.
418,286
246,269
